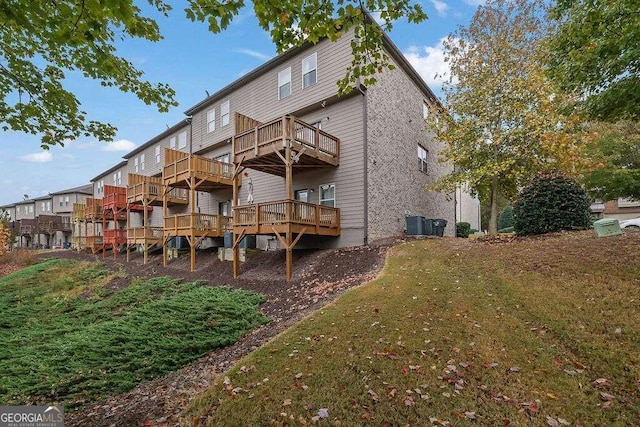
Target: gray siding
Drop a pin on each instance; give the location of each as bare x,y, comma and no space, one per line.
258,99
46,209
22,211
396,186
151,166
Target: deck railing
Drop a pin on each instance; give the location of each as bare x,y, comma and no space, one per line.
286,211
114,197
93,208
287,127
144,233
180,163
117,235
77,213
182,224
153,188
93,240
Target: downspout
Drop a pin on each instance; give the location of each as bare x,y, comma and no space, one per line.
365,155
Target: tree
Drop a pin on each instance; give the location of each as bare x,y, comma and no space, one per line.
505,121
616,161
595,54
41,42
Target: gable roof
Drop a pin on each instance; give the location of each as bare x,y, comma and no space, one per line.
83,189
107,172
157,138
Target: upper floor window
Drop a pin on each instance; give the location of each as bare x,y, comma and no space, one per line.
422,159
425,110
284,83
142,162
172,143
182,139
211,120
302,195
30,208
43,207
310,70
61,201
327,195
135,165
224,113
66,202
158,154
49,205
100,186
117,178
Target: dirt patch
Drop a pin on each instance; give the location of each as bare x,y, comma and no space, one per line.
319,276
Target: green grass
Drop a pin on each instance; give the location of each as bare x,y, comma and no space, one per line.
454,331
68,338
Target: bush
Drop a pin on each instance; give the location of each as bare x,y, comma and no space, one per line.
506,230
463,229
551,202
505,220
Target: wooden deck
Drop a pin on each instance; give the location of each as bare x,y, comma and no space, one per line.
78,212
190,171
196,225
262,148
286,215
150,190
28,227
93,209
144,235
117,236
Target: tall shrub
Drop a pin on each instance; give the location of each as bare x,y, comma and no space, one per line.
551,202
506,218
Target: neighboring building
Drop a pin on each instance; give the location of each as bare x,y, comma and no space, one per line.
26,214
621,209
62,204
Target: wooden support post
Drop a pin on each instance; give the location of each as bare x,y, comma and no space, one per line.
128,248
145,225
289,254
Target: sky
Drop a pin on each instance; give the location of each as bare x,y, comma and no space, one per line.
191,60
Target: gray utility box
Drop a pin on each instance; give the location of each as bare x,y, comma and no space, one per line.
247,242
607,227
438,227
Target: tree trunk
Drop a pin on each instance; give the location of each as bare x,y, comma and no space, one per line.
493,219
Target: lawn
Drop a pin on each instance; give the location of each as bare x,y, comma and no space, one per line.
540,331
68,337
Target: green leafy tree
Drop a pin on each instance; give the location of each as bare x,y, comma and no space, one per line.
595,54
41,42
551,202
506,120
506,218
616,161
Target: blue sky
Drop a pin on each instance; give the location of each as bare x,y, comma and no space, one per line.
191,60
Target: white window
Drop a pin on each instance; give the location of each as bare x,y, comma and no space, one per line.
328,195
422,159
302,195
225,158
224,113
310,70
66,200
425,110
224,208
172,142
30,208
119,177
158,154
61,201
182,140
211,120
43,207
284,83
100,186
141,162
135,164
115,179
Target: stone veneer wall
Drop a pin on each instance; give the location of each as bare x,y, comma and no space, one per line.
396,187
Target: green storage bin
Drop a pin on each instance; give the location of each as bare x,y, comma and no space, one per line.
607,227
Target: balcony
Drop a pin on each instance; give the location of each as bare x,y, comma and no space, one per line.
93,209
286,215
149,189
183,170
262,148
115,198
144,235
115,237
78,212
196,225
28,227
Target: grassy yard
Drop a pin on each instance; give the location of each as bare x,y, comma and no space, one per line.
66,337
532,332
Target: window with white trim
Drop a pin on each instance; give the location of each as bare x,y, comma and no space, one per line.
224,208
301,195
30,208
172,143
135,164
327,195
211,120
225,113
284,83
42,207
310,70
158,154
425,110
422,158
182,140
49,206
66,201
142,162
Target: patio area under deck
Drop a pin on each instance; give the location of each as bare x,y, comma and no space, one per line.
288,220
264,146
196,173
146,237
194,227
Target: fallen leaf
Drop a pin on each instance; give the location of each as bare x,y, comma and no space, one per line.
373,395
323,413
365,416
552,422
470,415
286,402
408,401
601,382
606,396
392,393
564,422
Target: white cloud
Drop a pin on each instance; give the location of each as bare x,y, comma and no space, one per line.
253,53
475,2
441,7
429,62
41,157
120,145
